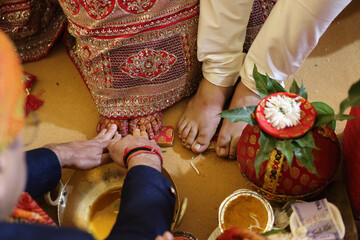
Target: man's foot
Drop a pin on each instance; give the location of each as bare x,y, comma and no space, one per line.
230,133
150,124
105,123
199,122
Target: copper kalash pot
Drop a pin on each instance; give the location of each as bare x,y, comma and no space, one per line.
276,179
266,146
289,149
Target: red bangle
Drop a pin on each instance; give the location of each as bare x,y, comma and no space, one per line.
130,153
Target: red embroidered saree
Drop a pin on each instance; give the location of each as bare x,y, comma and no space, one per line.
137,57
33,25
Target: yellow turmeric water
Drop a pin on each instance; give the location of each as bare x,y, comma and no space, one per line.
246,212
103,213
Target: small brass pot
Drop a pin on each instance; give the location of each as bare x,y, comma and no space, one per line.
245,192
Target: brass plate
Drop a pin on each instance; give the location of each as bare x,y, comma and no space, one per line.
84,187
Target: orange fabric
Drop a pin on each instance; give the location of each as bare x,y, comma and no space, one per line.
12,99
28,211
11,93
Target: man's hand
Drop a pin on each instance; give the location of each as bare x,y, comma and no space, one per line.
85,154
118,145
165,236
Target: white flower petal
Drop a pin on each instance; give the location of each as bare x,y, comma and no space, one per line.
282,111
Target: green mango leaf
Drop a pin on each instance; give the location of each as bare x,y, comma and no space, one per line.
294,88
285,147
302,92
266,85
306,141
261,82
267,144
304,155
240,114
332,124
323,108
274,231
353,98
342,117
274,86
324,119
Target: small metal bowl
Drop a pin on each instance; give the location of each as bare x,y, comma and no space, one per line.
246,192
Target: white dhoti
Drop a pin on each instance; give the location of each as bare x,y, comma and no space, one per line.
289,34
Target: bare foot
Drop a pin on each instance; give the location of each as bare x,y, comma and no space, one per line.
105,123
150,124
199,122
230,133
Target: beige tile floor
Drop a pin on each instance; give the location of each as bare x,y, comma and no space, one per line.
69,113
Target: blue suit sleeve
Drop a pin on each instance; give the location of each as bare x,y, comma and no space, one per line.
43,171
35,232
146,207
